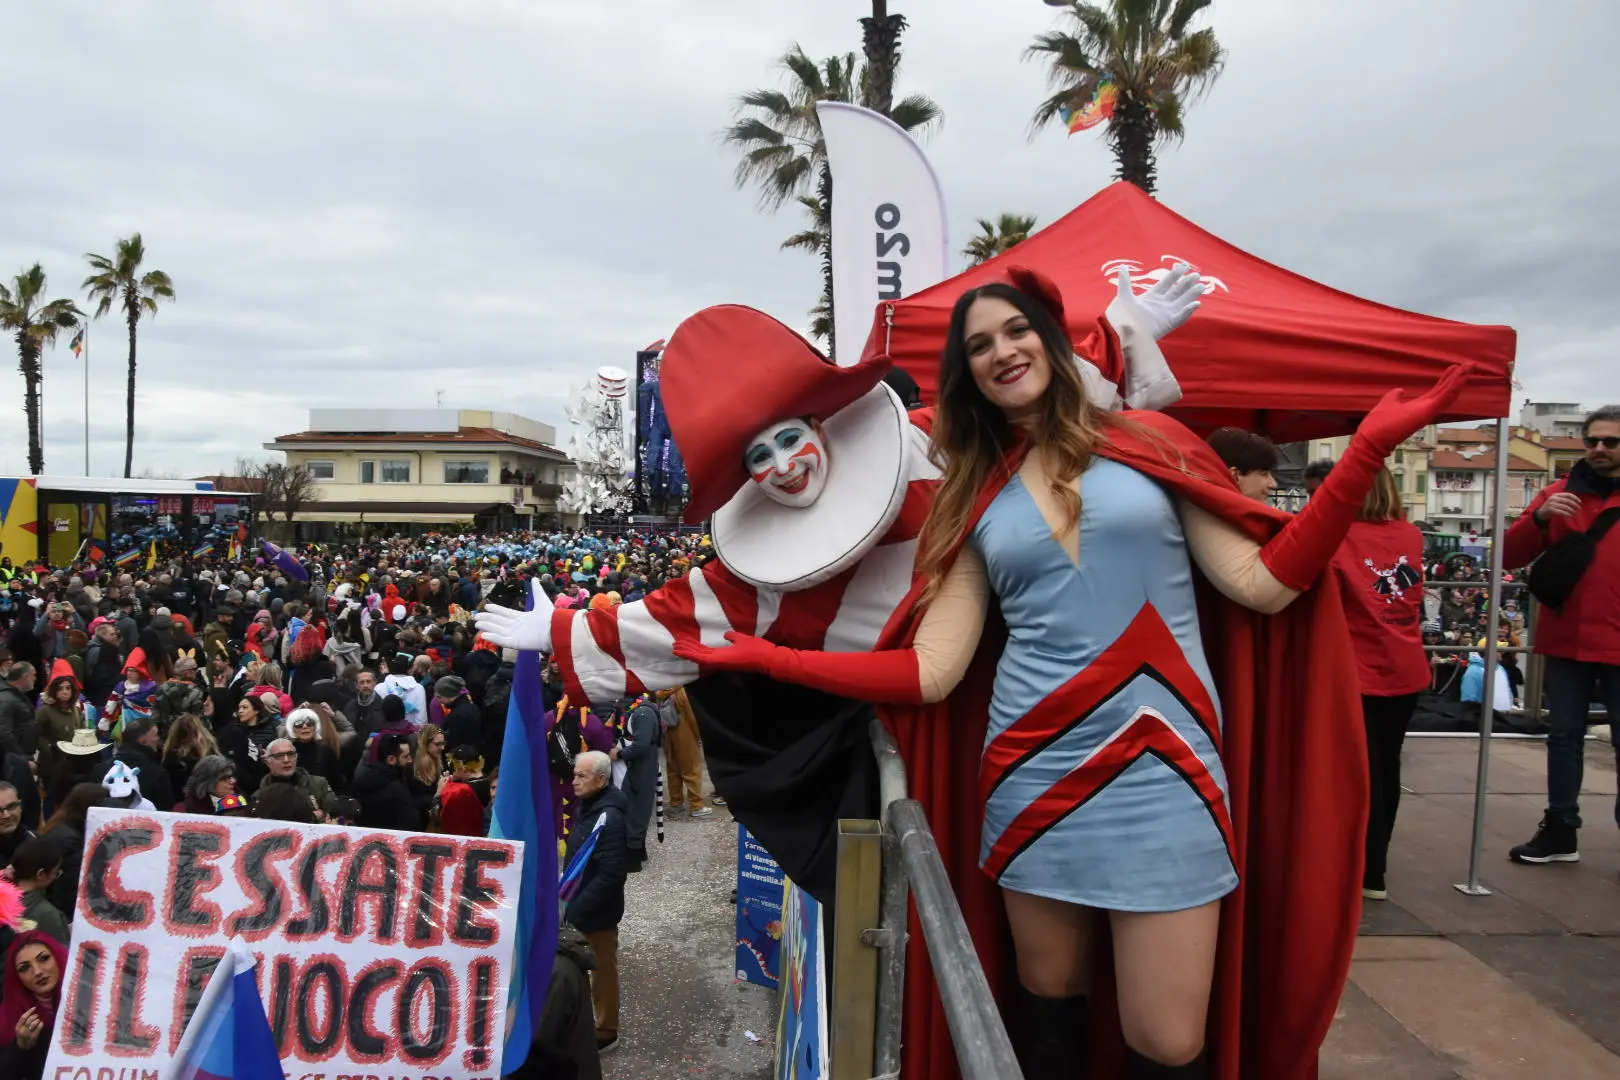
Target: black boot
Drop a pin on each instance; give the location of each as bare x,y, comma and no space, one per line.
1138,1067
1049,1035
1555,841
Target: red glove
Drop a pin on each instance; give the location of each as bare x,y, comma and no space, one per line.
1303,549
889,677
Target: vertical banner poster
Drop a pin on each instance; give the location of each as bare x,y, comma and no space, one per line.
379,952
889,234
801,1028
760,882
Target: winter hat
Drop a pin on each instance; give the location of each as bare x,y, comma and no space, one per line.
60,670
449,687
262,615
137,660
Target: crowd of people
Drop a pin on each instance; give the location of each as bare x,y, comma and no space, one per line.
363,696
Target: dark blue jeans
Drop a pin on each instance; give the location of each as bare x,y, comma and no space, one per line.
1571,686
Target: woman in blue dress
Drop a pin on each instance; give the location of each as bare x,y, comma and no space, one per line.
1105,800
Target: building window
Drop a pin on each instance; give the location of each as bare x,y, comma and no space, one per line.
1422,484
466,472
1400,483
368,472
396,472
1400,457
320,470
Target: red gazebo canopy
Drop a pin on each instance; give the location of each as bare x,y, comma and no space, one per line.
1269,351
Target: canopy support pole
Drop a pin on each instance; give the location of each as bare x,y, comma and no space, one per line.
1487,706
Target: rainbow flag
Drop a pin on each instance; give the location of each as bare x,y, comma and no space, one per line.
77,344
523,812
1099,108
229,1036
127,557
206,549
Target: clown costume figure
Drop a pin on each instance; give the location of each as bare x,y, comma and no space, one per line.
815,483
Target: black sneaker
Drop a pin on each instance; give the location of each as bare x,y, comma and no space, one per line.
604,1046
1554,842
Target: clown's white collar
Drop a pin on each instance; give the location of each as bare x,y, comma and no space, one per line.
785,549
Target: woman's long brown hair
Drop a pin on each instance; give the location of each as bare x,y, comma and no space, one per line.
971,436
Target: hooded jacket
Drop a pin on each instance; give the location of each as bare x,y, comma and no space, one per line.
385,801
19,731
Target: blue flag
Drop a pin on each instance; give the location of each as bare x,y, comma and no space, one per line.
229,1036
523,812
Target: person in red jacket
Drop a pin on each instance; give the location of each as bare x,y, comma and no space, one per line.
1580,641
461,811
1380,572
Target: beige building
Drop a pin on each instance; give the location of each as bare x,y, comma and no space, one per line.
1409,464
427,468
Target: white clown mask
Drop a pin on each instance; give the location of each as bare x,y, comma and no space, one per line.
789,462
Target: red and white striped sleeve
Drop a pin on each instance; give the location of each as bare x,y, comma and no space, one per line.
627,650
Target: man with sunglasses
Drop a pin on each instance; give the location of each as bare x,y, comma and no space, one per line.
1580,640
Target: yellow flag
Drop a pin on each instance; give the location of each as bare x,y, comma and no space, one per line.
151,557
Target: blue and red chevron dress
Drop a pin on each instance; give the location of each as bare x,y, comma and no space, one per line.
1101,775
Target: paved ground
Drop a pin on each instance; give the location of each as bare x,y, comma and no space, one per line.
1521,985
683,1015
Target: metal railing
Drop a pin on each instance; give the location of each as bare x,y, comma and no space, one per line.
912,865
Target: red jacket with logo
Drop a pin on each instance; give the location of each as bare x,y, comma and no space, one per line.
1588,626
1380,572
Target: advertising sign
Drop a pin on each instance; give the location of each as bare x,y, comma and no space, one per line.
760,882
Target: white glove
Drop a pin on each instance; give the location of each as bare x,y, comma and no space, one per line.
1170,302
526,631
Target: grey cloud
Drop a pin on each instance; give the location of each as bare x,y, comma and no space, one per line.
363,201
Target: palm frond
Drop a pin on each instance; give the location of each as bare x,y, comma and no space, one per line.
918,114
1168,112
1183,14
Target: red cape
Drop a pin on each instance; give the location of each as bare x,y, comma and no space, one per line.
1295,761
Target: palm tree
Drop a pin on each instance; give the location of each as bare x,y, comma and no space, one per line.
119,281
997,236
880,40
817,240
35,322
1157,66
783,152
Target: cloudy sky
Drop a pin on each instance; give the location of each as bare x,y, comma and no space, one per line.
366,202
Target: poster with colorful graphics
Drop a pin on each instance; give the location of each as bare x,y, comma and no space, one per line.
760,882
801,1027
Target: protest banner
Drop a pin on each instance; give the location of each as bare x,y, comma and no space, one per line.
381,954
760,881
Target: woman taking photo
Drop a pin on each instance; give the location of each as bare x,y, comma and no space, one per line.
1102,798
1380,572
33,992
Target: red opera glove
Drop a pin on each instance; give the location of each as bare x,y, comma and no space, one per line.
1298,554
889,677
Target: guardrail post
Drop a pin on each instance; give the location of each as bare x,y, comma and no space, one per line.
855,961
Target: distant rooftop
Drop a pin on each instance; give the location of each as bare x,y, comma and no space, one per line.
452,426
